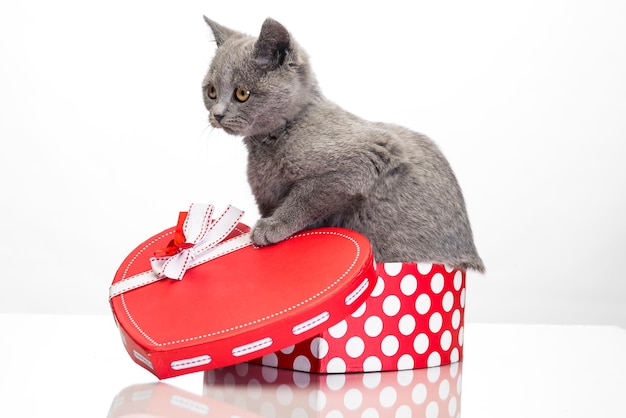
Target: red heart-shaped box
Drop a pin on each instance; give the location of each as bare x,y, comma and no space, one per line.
243,305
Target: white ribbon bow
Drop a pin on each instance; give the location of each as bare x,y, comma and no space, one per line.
203,235
204,241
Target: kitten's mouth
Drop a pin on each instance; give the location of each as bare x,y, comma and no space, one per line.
225,128
229,126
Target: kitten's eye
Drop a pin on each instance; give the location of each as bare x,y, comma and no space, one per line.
242,94
211,91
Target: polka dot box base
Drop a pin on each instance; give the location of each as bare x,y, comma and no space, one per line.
412,319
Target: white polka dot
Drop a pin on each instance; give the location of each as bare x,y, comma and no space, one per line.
461,335
355,347
229,380
404,411
209,377
391,305
336,365
463,298
433,374
370,413
436,283
446,340
372,364
319,347
434,359
420,344
371,380
268,409
217,394
432,409
448,268
269,374
422,304
335,381
302,363
419,394
406,362
444,389
408,284
452,406
338,330
424,268
254,389
302,380
284,394
405,377
353,399
373,326
270,360
359,312
435,322
317,400
459,384
378,289
454,355
393,269
388,397
241,369
458,280
288,350
454,368
406,325
456,318
390,345
299,412
334,414
447,301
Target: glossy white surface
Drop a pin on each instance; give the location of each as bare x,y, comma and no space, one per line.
75,366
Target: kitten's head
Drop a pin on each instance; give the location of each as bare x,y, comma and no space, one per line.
255,85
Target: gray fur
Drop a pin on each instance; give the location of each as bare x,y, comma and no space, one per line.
313,164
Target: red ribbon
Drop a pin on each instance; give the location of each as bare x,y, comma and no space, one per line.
177,244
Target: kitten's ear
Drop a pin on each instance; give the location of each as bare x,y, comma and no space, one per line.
272,46
220,33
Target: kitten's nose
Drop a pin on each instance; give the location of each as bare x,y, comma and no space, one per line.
218,117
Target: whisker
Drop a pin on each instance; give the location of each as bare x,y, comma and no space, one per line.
206,132
204,138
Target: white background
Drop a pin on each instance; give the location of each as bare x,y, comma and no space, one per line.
104,136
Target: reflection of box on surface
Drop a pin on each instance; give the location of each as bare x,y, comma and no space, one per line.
414,318
274,392
159,400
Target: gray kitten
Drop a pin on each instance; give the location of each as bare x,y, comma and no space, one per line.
313,164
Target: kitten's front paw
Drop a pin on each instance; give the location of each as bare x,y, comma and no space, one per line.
269,231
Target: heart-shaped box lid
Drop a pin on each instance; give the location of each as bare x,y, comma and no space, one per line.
241,305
